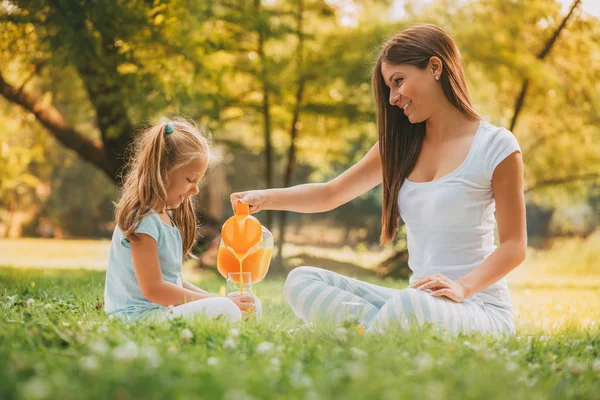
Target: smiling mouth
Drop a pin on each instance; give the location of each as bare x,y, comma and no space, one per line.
405,107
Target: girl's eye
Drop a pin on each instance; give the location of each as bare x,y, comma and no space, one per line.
398,81
188,180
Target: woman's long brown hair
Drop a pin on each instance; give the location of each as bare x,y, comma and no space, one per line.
400,141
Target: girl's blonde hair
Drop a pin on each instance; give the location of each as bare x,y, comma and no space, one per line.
152,156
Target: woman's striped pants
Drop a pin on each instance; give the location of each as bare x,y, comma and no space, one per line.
317,294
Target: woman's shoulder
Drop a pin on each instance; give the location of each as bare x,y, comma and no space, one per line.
497,144
493,133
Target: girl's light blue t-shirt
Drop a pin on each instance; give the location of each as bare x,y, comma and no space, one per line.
123,296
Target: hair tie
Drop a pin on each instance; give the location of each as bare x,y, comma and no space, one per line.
169,128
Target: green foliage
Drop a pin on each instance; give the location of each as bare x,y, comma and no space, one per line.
201,59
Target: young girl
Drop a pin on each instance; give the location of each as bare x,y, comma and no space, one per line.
156,227
445,172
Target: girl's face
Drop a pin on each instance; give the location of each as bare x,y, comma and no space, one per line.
413,90
183,182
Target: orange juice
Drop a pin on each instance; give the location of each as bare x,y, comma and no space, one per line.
246,246
256,263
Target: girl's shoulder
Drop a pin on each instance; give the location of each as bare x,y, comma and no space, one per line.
150,224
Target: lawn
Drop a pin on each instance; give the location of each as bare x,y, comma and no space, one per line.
57,343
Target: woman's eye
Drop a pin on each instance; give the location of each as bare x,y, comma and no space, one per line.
398,81
188,180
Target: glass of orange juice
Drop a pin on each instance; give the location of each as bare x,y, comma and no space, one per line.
353,316
239,283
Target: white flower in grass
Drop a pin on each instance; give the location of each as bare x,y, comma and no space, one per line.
66,324
596,366
30,302
275,362
151,356
358,353
36,388
47,306
99,347
186,335
589,348
89,363
354,369
341,333
172,349
127,351
574,366
310,395
511,366
234,332
264,347
229,343
237,394
424,362
212,361
102,329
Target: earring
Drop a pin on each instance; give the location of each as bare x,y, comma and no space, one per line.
437,77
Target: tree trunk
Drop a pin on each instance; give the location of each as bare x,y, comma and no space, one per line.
266,109
542,54
291,156
395,266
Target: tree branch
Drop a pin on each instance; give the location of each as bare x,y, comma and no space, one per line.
53,120
561,180
541,55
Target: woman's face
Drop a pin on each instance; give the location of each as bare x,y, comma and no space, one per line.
413,90
183,182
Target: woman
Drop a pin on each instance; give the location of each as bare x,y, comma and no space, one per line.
444,172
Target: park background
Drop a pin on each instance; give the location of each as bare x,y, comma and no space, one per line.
284,88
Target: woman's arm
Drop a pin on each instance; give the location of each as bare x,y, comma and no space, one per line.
318,197
507,184
147,270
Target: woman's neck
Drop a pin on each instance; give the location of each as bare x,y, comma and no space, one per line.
446,124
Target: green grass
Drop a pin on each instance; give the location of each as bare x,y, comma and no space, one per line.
57,343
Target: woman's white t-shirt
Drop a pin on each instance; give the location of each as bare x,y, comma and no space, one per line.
450,221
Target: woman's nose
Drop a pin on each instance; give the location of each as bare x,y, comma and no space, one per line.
393,97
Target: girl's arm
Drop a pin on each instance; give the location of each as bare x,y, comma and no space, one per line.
147,270
187,285
507,184
318,197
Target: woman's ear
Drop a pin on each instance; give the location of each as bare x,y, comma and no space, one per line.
436,67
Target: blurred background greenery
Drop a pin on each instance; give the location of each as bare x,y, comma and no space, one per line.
283,85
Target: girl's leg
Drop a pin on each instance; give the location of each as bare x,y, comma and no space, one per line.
211,307
315,293
417,307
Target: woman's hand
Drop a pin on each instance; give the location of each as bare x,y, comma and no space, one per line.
254,198
441,286
244,301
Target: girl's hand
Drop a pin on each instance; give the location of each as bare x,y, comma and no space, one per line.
254,198
244,301
441,286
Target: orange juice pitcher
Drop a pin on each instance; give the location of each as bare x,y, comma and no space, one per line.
246,245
